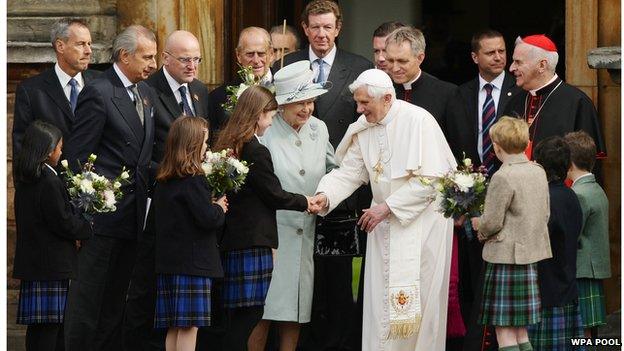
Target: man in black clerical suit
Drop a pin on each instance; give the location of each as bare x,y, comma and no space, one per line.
334,319
253,50
547,103
114,120
405,52
52,95
477,105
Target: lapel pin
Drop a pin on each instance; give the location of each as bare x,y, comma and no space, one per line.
195,97
509,93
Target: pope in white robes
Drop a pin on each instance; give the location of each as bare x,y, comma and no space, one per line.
408,254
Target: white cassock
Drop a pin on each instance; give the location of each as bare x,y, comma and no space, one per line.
405,143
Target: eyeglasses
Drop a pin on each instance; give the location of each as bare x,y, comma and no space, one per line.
186,60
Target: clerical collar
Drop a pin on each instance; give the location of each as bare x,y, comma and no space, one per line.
496,82
328,59
546,88
173,84
64,78
408,85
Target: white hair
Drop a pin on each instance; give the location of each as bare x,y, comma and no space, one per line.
537,54
373,91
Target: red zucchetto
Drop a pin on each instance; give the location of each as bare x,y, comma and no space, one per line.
541,41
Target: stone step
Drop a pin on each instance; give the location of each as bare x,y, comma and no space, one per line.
33,52
103,28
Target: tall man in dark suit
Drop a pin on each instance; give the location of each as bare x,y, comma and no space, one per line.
52,95
477,105
114,120
178,93
405,52
254,50
332,308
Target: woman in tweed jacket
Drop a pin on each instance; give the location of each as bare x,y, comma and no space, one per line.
514,226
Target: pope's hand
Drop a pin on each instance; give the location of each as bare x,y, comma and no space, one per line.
373,216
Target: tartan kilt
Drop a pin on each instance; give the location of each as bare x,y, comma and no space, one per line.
558,325
592,302
247,275
510,295
182,301
42,301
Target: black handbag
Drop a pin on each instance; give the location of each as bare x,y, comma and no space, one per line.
338,236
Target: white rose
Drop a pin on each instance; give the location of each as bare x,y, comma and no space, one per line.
64,163
223,153
76,180
463,181
86,186
116,185
207,167
124,175
467,162
92,157
109,198
241,88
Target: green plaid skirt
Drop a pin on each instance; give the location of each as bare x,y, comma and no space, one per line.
592,302
510,295
558,326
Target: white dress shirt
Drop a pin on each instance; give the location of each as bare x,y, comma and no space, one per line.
64,79
328,61
175,87
124,80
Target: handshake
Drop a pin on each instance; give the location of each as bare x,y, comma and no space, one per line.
316,203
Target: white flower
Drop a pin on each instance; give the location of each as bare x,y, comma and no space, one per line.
86,186
109,198
76,180
124,175
92,157
241,88
463,181
64,163
467,162
223,153
116,185
207,167
439,187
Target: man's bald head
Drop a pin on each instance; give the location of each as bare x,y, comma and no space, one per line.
181,56
254,49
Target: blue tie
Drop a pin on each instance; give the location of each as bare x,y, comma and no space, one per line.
185,105
73,95
488,117
321,72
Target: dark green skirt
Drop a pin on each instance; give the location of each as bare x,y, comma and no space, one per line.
510,295
592,302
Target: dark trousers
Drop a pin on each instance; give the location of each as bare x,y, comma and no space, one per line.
471,279
45,337
138,322
211,338
332,306
242,322
96,300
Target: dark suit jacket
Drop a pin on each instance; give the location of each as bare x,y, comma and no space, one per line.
432,94
186,229
167,109
42,97
336,108
250,220
107,124
557,275
46,230
463,123
217,97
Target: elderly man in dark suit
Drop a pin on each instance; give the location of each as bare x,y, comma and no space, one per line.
114,120
477,105
52,95
333,316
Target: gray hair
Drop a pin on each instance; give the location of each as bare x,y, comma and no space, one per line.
289,30
250,31
60,29
538,54
128,40
412,35
373,91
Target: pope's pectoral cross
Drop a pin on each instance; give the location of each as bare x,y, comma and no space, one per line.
378,170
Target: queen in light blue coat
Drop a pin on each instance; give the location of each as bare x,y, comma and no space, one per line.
302,154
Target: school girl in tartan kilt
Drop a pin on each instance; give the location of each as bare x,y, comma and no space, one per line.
47,230
250,231
514,228
186,223
561,317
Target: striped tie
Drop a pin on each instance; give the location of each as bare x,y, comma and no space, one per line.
488,117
